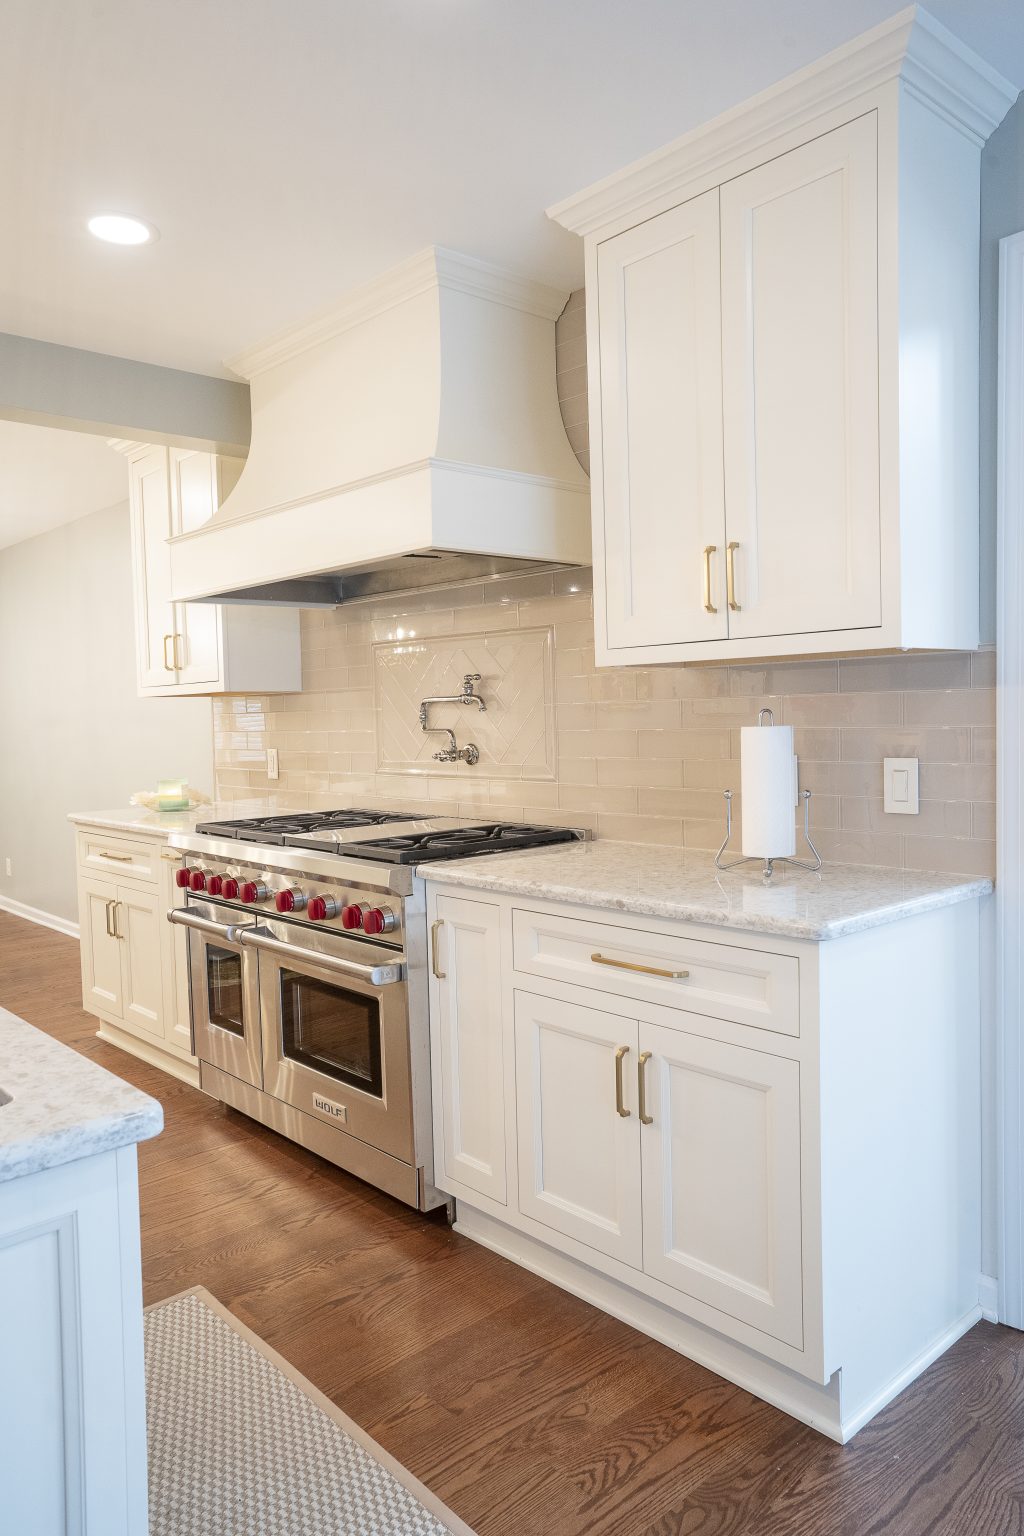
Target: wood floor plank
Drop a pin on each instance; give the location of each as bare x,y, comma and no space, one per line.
529,1412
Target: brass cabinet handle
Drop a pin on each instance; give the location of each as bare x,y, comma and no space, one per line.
620,1108
709,550
645,970
168,665
641,1092
110,932
730,576
435,928
117,934
179,664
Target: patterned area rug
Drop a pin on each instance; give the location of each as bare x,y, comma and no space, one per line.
241,1445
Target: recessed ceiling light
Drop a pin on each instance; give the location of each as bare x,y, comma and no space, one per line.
119,229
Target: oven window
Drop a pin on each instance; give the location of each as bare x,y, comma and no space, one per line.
224,989
333,1030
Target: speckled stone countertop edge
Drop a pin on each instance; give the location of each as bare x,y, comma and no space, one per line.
875,909
63,1107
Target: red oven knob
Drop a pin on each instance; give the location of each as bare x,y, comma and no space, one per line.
320,907
230,888
379,920
253,890
290,901
352,915
214,885
197,880
181,878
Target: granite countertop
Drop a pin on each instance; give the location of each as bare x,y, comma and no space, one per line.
656,881
62,1106
135,818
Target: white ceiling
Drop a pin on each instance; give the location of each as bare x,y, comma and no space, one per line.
289,149
49,477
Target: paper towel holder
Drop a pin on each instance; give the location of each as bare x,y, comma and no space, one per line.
768,864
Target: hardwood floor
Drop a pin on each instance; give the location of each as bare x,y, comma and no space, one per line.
526,1410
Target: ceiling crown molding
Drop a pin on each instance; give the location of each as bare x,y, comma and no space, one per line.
911,46
127,447
432,268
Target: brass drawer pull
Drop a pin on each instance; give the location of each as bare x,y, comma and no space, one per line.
645,970
730,576
620,1108
641,1091
709,550
118,858
435,928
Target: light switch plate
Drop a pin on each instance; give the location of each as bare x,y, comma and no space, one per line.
900,780
273,771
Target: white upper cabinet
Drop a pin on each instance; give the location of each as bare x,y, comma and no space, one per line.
783,348
199,648
661,388
800,388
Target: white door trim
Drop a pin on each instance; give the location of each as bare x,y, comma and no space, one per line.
1010,778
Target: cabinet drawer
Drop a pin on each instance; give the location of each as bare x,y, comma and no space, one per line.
722,981
126,858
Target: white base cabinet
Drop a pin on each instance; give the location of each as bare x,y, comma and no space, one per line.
134,964
72,1389
764,1152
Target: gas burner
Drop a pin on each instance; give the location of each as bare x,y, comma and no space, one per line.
275,829
459,842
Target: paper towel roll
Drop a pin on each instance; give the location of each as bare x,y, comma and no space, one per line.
768,787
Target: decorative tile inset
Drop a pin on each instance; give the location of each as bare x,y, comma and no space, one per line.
516,732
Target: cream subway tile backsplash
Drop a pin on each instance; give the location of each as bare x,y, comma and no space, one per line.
639,754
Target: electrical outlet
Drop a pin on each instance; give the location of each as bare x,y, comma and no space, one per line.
8,867
273,772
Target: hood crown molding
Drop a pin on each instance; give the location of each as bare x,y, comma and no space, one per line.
911,47
434,267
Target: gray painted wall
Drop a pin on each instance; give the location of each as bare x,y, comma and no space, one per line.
74,734
1002,213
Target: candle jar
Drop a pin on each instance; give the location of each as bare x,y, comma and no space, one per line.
172,794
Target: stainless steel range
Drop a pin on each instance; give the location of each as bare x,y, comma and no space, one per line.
308,965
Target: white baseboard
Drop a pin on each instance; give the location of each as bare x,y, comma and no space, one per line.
988,1297
37,915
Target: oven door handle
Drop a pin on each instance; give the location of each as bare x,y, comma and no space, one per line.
226,931
376,975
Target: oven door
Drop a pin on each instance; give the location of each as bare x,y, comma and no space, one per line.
336,1032
225,990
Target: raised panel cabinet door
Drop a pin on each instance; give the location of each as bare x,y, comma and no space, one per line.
138,922
579,1157
194,491
661,430
466,939
721,1178
800,387
100,949
151,528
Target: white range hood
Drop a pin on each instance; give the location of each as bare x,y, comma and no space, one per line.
410,438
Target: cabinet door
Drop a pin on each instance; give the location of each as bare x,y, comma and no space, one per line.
466,1007
101,952
721,1176
198,625
579,1158
800,387
151,528
137,920
661,429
